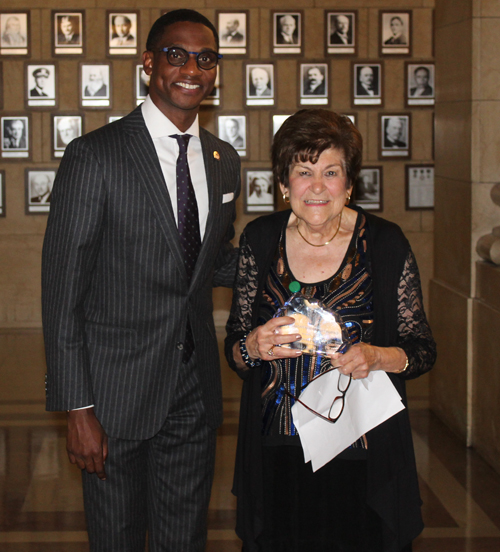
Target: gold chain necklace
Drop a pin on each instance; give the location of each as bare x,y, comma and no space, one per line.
326,243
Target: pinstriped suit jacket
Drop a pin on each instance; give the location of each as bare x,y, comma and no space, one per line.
115,297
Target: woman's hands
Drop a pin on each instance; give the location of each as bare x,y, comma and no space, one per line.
262,342
362,358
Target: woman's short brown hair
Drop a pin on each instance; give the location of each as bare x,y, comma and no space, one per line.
304,136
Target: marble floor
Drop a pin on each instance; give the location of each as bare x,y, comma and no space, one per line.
40,495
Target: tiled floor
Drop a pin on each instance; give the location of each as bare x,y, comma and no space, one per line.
40,495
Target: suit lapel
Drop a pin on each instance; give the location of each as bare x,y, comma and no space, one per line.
142,154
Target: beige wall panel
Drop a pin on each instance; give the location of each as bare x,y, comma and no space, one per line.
36,143
264,34
452,252
94,35
287,85
262,120
233,84
69,82
20,281
427,221
94,119
421,135
487,147
422,34
448,379
373,32
394,84
488,284
340,86
379,4
454,81
363,32
486,387
488,51
422,244
13,85
449,12
314,34
371,138
453,140
489,8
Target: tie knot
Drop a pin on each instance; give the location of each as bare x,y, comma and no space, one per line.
182,140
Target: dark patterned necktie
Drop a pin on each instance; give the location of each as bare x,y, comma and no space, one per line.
188,221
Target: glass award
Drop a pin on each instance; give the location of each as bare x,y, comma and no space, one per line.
322,329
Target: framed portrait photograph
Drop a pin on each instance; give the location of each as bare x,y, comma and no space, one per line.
122,29
278,120
38,189
68,30
141,84
367,191
113,118
395,33
287,32
259,191
313,83
14,33
367,83
233,129
214,97
395,135
64,129
2,193
260,86
95,83
341,32
232,27
420,84
15,137
419,187
40,85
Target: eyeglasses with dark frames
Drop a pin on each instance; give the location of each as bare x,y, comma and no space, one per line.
178,57
337,407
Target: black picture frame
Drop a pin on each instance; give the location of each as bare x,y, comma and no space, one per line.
68,32
260,87
233,29
38,182
141,84
277,120
95,85
40,85
16,137
65,128
259,181
232,128
15,36
122,31
395,32
395,135
345,41
287,25
419,188
368,190
3,204
313,83
420,84
362,86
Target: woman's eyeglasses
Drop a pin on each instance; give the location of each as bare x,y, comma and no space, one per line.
338,403
205,60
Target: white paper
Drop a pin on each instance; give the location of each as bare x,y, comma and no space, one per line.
368,403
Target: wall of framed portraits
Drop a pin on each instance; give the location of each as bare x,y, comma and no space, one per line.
65,72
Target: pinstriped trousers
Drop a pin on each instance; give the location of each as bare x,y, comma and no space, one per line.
160,486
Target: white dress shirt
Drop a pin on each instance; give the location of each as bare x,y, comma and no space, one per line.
167,149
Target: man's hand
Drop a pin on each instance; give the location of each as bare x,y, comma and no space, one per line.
86,442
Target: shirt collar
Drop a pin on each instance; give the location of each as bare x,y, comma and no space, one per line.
159,125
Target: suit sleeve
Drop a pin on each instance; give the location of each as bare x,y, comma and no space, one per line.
71,247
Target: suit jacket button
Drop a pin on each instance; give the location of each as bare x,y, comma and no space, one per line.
180,346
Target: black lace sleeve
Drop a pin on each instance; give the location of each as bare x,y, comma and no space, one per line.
414,333
245,290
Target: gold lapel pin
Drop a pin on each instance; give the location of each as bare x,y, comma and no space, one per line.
216,155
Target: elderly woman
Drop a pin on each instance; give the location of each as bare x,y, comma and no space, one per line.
367,498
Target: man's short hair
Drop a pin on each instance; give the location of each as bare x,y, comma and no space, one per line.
177,16
396,17
422,68
124,17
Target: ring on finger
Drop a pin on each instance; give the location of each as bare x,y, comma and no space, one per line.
270,352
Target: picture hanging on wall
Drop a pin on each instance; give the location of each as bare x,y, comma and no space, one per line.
65,128
419,187
14,33
233,129
287,32
260,87
68,32
2,193
38,190
367,191
420,84
214,97
95,83
367,83
40,85
313,83
232,27
15,137
259,191
122,30
278,120
141,84
351,116
395,33
395,135
341,32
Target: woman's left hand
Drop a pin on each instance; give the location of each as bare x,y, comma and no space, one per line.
359,360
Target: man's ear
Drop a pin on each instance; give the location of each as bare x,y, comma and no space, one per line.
147,62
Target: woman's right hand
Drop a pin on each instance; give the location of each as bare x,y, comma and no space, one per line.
262,342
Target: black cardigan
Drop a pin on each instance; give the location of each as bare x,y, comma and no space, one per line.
392,485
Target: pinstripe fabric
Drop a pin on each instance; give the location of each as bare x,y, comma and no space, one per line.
176,466
115,296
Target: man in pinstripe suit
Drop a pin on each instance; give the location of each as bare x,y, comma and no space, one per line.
120,310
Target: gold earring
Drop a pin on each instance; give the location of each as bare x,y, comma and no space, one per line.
348,199
285,198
